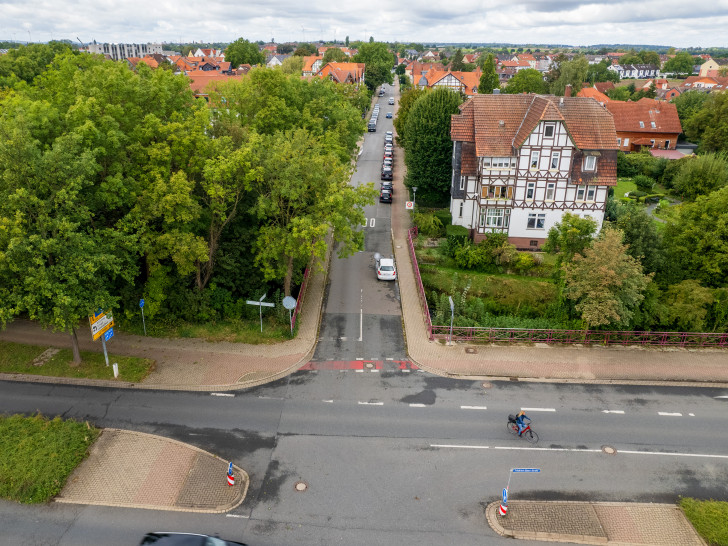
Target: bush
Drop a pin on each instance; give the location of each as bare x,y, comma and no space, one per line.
457,236
445,218
524,263
644,183
428,225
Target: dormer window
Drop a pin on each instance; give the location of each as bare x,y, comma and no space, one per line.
549,129
653,124
590,163
642,124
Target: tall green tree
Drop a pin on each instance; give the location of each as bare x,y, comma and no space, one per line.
489,78
305,50
378,60
572,236
241,51
334,55
687,305
641,237
606,283
302,194
709,125
681,63
406,101
528,80
688,104
599,73
428,147
572,73
456,64
28,61
701,175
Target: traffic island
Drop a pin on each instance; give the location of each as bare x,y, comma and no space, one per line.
137,470
615,523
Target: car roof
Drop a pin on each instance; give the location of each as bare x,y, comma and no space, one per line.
386,261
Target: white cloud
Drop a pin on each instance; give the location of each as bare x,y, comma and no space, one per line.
576,22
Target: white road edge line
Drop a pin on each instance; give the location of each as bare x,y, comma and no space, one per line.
417,405
538,409
550,449
617,411
328,401
361,321
222,394
619,451
405,371
236,516
459,447
668,414
473,407
270,398
370,403
720,397
674,454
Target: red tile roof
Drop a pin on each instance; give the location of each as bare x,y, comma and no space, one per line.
628,115
592,93
200,79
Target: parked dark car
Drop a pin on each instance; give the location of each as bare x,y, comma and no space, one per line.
387,186
184,539
389,115
386,173
385,196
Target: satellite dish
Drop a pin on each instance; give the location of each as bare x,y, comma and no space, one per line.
289,302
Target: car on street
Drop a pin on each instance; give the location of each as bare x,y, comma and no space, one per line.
387,162
388,186
385,196
391,100
387,153
386,173
386,270
389,115
167,538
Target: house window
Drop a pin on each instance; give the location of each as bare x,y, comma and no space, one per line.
549,130
590,163
590,192
626,142
555,156
481,223
530,190
486,163
652,143
463,182
580,192
642,124
619,142
494,217
653,125
667,144
550,191
460,214
536,221
534,159
498,192
504,162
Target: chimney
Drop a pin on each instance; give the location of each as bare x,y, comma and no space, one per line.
567,91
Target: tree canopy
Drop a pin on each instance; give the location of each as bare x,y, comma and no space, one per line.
528,80
681,63
242,51
379,62
489,78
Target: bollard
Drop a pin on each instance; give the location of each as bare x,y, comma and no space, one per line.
503,509
116,370
231,479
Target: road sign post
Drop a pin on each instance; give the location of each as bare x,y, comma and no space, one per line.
503,509
290,304
260,303
141,306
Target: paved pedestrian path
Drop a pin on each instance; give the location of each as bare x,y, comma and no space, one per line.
133,469
616,524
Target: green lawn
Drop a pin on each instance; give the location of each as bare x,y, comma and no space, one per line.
624,185
710,519
37,455
18,358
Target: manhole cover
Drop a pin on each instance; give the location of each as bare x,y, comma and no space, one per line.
487,385
369,365
300,486
609,450
471,350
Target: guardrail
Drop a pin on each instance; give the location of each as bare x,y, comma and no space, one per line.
479,334
301,296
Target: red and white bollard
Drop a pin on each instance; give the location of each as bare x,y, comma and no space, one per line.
503,509
231,479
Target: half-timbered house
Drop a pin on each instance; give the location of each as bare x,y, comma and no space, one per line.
521,161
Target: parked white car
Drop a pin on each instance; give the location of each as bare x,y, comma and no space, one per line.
386,270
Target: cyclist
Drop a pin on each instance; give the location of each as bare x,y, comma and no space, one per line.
520,418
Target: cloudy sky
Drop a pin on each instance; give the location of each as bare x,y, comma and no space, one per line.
680,23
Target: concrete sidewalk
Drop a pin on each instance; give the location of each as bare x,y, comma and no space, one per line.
137,470
616,524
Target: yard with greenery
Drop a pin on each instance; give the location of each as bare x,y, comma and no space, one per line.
710,519
24,359
37,455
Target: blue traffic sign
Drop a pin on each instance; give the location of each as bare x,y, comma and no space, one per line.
108,334
505,495
230,469
141,303
525,470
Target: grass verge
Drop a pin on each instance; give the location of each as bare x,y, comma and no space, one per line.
710,519
19,358
237,331
37,455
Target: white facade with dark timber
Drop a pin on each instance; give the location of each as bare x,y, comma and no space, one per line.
521,161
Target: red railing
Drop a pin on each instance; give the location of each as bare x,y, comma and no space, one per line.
480,334
411,233
301,295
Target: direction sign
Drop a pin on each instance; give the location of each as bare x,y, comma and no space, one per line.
263,303
505,495
100,326
108,334
525,470
141,303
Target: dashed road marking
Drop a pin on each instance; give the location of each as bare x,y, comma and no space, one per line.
222,394
617,411
370,403
328,401
271,397
473,407
538,409
236,516
668,414
459,447
417,405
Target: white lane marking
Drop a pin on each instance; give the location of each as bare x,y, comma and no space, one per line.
374,371
343,338
550,449
370,403
270,398
359,371
361,323
720,397
236,516
328,401
417,405
459,447
668,414
405,371
691,414
620,412
343,371
222,394
674,454
360,358
389,359
538,409
473,407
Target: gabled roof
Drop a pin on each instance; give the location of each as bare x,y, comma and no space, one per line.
499,124
627,116
592,93
309,61
468,80
199,79
603,87
343,72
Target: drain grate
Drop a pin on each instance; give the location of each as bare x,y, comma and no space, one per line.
471,350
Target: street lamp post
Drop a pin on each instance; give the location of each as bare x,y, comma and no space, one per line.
414,198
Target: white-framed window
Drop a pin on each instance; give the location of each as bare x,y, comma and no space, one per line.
653,125
548,130
463,182
580,193
460,212
550,191
590,163
619,142
667,144
486,163
497,218
481,222
530,190
504,162
536,221
591,193
555,156
626,142
535,154
642,124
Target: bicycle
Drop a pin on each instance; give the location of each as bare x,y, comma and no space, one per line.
528,433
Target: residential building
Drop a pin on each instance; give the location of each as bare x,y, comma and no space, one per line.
312,64
119,52
636,71
593,93
712,67
275,60
343,72
520,162
706,83
648,122
463,82
416,69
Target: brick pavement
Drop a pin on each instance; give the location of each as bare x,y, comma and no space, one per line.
133,469
615,524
